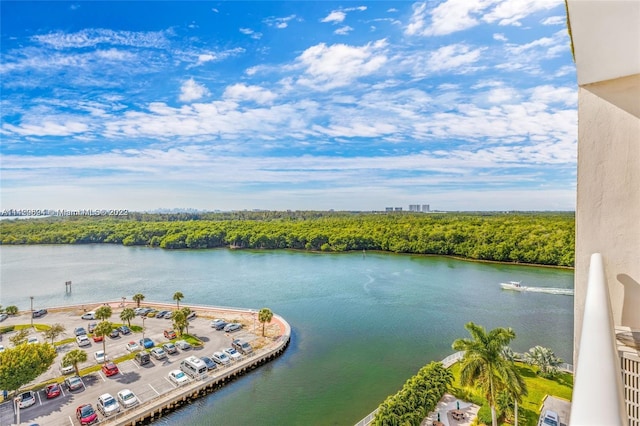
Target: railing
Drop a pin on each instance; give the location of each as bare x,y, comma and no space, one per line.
597,391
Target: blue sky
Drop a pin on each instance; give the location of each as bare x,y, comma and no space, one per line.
302,105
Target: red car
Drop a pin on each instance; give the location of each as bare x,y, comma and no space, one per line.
109,369
97,338
53,390
86,415
170,334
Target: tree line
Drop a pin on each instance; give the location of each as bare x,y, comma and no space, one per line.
533,238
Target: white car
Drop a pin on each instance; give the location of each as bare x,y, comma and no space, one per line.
27,399
100,357
107,405
221,358
89,316
158,353
83,340
183,345
233,354
133,346
178,377
127,398
1,348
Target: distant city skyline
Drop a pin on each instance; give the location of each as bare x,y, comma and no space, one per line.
287,105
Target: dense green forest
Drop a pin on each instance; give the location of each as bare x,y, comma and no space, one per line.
535,238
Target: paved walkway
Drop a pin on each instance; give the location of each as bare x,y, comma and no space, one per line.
448,403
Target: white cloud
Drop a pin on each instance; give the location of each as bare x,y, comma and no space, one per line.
343,30
279,22
242,92
452,57
251,33
499,37
191,91
446,18
48,128
328,67
335,16
554,20
511,12
94,37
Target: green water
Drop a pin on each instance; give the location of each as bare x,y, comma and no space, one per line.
361,324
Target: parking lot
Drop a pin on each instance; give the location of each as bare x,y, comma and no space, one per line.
147,381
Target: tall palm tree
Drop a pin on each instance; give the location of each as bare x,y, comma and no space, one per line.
177,296
103,329
103,313
74,357
483,364
127,315
138,297
264,316
179,321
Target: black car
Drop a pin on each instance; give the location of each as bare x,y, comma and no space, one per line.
39,313
79,330
124,329
114,333
208,362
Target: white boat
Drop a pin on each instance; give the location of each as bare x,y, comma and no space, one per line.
517,286
513,285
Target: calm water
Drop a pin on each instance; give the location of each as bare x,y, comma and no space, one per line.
361,325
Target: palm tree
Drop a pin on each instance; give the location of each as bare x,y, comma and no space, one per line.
127,315
264,316
103,329
179,321
53,332
103,313
483,364
11,310
74,357
544,359
177,296
138,297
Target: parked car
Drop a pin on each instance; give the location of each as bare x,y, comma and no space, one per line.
191,315
218,324
86,415
92,326
127,398
100,357
53,390
170,334
78,331
66,369
178,377
110,369
549,418
133,346
3,317
26,399
170,348
146,343
83,340
158,353
39,313
73,383
183,345
1,348
32,339
221,358
89,316
143,358
242,346
208,362
114,333
152,313
234,326
232,353
168,315
124,329
97,338
161,314
107,405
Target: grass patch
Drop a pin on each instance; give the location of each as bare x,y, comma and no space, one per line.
529,411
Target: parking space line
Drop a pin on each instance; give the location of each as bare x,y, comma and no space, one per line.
153,389
70,420
39,398
102,376
170,382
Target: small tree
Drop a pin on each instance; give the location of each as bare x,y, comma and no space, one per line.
20,337
74,357
24,363
138,297
127,315
179,321
544,358
177,296
53,332
264,316
103,313
103,329
11,310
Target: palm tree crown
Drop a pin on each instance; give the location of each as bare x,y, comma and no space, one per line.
177,296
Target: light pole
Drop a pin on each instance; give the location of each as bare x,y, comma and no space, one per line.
123,299
31,297
143,318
